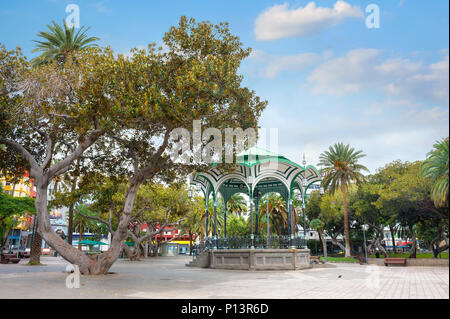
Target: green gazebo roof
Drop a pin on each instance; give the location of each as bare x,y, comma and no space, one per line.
256,155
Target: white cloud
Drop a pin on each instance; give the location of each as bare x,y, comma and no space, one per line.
101,7
270,66
365,69
280,22
345,74
405,133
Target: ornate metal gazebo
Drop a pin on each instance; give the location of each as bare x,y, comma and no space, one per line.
258,172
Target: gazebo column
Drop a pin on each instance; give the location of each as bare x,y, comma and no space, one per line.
215,222
257,215
206,223
292,229
225,220
252,236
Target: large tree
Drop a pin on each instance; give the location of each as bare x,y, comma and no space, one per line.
56,112
409,195
341,168
133,104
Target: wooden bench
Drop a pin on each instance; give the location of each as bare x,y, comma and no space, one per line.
7,258
395,261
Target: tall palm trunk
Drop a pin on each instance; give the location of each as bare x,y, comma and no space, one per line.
348,252
36,244
80,237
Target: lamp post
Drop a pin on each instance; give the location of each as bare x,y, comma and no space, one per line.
250,182
365,245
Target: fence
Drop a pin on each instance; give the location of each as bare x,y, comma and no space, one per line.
260,242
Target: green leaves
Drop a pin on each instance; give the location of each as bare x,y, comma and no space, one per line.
436,167
59,43
10,205
340,164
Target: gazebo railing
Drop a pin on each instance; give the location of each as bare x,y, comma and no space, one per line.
259,242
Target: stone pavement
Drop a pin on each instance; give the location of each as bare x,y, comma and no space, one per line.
168,277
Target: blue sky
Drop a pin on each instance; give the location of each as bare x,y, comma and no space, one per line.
327,77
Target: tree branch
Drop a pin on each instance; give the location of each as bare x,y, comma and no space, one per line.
62,165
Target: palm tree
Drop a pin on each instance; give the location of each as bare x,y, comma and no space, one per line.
278,214
82,223
237,204
341,168
436,168
61,42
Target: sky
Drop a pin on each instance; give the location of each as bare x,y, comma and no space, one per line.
326,75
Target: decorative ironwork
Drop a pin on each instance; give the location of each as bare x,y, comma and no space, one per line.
260,242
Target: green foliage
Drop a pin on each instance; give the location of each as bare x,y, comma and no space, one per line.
313,205
435,167
237,226
340,164
237,204
61,42
316,224
12,207
278,215
81,222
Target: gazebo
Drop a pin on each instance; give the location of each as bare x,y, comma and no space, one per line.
257,172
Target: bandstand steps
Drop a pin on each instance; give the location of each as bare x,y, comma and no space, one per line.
201,261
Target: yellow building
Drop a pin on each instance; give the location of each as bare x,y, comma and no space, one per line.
23,188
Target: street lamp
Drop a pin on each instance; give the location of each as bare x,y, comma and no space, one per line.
250,182
364,228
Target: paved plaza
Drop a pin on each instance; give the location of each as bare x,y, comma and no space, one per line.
168,277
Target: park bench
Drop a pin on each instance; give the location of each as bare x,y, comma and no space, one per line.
7,258
395,261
